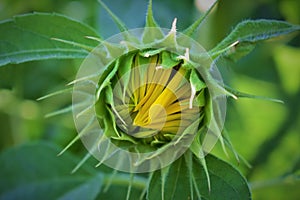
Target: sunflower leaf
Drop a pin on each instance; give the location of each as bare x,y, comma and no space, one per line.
32,170
246,34
226,181
31,37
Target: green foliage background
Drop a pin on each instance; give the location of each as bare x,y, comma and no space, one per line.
265,133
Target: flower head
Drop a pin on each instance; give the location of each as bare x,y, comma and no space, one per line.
147,96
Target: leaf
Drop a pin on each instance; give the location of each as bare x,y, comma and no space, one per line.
40,36
186,177
246,34
34,171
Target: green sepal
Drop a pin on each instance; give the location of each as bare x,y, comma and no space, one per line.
196,81
187,174
126,62
169,40
113,50
213,122
78,136
168,61
122,27
59,92
200,98
237,156
106,77
150,21
192,28
152,30
151,52
251,96
189,157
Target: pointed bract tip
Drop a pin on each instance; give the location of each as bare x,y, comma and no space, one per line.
192,28
59,154
187,54
150,21
193,93
118,22
173,29
98,164
93,38
234,97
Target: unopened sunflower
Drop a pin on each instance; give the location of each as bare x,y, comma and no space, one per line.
142,98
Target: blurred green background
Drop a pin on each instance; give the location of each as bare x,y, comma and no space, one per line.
266,134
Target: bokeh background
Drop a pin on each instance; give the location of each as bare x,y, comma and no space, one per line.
266,134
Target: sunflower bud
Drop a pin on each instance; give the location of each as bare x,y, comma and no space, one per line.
147,95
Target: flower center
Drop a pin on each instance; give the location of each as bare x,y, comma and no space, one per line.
151,101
